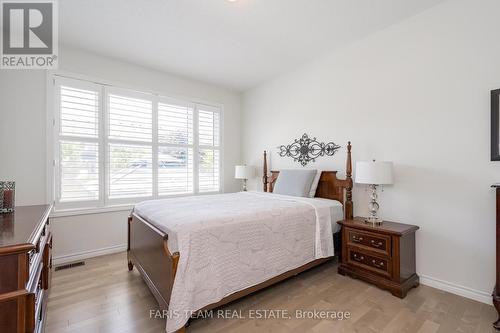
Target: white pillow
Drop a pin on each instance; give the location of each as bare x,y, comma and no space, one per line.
294,182
314,185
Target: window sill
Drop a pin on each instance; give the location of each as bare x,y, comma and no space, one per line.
88,211
114,208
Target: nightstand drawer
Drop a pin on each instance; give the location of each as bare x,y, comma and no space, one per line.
369,262
375,242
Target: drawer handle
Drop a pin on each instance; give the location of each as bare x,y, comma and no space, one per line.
374,243
377,265
357,239
358,258
31,256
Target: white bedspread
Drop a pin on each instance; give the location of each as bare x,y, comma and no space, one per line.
229,242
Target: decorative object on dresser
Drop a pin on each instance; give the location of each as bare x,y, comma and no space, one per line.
383,255
7,196
244,172
25,266
495,124
496,291
374,174
305,149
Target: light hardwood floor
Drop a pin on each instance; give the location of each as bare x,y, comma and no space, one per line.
103,296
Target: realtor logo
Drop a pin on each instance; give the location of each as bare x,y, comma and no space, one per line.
29,34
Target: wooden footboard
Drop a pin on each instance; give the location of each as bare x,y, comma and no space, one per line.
148,252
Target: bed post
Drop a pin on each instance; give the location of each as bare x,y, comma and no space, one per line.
264,172
348,170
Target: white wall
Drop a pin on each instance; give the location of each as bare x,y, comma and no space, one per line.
22,133
23,147
416,93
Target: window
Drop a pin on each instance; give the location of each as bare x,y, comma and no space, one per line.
175,147
116,146
129,145
79,172
209,156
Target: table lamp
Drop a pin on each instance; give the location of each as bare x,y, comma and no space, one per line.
374,174
244,172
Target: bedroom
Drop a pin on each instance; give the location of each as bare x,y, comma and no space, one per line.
199,90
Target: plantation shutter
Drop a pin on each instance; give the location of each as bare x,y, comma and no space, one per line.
175,147
130,152
209,149
77,151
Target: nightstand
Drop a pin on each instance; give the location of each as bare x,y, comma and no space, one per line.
382,255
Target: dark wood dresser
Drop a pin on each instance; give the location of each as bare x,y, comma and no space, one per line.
25,268
382,255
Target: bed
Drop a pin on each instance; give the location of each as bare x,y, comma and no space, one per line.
198,253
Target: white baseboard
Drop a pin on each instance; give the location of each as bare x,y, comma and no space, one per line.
456,289
88,254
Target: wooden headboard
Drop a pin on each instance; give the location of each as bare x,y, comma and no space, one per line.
329,186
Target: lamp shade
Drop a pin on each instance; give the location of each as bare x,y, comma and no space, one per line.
374,173
243,172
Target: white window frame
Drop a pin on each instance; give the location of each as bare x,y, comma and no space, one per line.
104,204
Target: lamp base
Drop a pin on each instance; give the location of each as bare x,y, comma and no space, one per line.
374,221
373,207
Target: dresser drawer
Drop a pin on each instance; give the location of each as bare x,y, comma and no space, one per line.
36,255
34,300
374,242
369,262
42,237
47,264
36,308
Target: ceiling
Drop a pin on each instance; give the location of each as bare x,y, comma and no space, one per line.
237,45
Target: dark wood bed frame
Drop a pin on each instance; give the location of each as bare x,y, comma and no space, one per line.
148,246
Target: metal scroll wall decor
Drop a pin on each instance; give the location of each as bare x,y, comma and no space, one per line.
306,149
